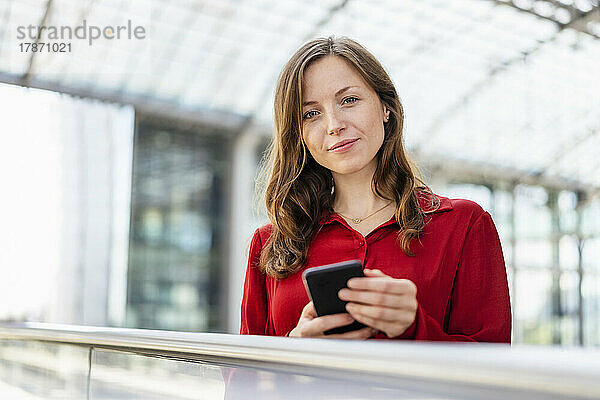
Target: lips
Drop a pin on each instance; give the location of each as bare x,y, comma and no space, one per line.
341,143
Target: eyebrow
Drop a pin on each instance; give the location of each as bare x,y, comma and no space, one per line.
308,103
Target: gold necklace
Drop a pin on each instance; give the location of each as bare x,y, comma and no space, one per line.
359,220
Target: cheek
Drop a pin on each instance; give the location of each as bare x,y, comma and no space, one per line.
312,141
375,124
314,144
376,130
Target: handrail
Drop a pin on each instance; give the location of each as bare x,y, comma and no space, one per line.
553,370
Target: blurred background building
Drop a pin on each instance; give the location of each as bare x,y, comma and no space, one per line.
128,165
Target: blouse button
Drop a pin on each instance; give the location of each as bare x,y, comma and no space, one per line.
362,242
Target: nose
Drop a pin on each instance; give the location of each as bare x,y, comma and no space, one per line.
334,124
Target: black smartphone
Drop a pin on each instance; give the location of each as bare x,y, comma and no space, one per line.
323,284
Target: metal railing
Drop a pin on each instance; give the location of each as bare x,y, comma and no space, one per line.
466,370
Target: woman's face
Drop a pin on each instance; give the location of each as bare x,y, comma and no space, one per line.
338,105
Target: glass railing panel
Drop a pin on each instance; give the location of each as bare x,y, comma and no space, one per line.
119,375
31,370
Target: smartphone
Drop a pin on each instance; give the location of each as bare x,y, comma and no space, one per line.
323,284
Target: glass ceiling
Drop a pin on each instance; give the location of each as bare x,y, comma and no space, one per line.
511,85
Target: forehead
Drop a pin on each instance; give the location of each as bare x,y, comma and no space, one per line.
329,74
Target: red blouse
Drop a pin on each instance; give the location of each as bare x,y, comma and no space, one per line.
458,268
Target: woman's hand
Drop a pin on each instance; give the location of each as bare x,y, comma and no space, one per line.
309,325
381,302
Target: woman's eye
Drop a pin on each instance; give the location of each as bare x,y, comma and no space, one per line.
347,100
308,115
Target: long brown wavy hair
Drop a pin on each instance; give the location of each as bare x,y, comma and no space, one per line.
298,190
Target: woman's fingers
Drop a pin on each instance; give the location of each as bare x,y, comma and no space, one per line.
361,311
392,322
374,312
383,284
373,272
375,298
379,301
318,325
309,311
390,327
389,306
310,325
363,333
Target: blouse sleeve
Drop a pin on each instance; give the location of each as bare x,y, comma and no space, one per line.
254,316
480,302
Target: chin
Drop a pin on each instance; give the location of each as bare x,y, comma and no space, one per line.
347,168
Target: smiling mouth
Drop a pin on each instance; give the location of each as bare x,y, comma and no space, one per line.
342,144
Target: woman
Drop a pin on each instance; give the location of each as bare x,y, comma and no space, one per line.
340,187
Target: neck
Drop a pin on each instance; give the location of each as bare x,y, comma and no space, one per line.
354,195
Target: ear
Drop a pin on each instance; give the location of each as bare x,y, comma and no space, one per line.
386,112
